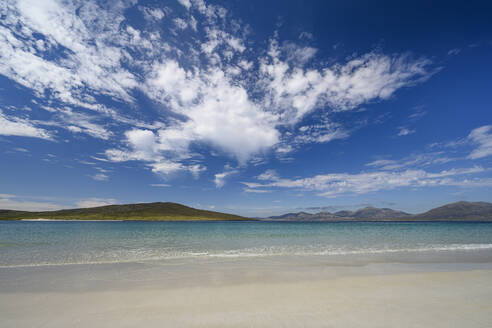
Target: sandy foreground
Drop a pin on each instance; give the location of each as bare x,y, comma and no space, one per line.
419,299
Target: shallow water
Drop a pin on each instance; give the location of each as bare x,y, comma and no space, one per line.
58,243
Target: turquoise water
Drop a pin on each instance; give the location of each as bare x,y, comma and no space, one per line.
54,243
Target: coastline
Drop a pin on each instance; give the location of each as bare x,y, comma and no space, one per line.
245,275
259,220
64,220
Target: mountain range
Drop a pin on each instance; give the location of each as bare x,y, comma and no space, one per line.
459,211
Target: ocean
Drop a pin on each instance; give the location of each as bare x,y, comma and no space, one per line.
24,243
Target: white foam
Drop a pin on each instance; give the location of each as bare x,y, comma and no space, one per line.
139,256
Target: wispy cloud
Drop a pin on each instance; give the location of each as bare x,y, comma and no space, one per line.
15,126
420,160
332,185
454,51
95,202
256,191
405,131
14,202
482,138
100,177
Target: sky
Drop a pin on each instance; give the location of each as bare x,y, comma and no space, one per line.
248,107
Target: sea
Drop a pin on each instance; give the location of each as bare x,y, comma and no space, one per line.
55,243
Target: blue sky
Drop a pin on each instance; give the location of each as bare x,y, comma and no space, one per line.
244,106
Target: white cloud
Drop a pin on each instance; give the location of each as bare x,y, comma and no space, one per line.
14,126
152,14
220,178
332,185
306,35
10,202
295,91
180,23
160,185
421,159
100,177
405,131
454,52
212,91
78,123
91,61
96,202
256,191
320,133
482,137
417,115
185,3
218,112
268,175
161,151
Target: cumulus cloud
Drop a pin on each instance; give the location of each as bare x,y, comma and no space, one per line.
482,137
161,151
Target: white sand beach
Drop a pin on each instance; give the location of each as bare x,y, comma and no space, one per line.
398,299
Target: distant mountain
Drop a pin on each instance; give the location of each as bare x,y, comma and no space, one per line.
460,211
303,216
363,213
373,213
143,211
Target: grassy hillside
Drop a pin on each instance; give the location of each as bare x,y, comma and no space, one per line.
145,211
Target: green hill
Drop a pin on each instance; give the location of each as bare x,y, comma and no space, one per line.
144,211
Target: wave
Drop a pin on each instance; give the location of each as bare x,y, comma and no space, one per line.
141,256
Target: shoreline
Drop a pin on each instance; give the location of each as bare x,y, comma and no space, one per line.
256,220
416,299
65,220
460,253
